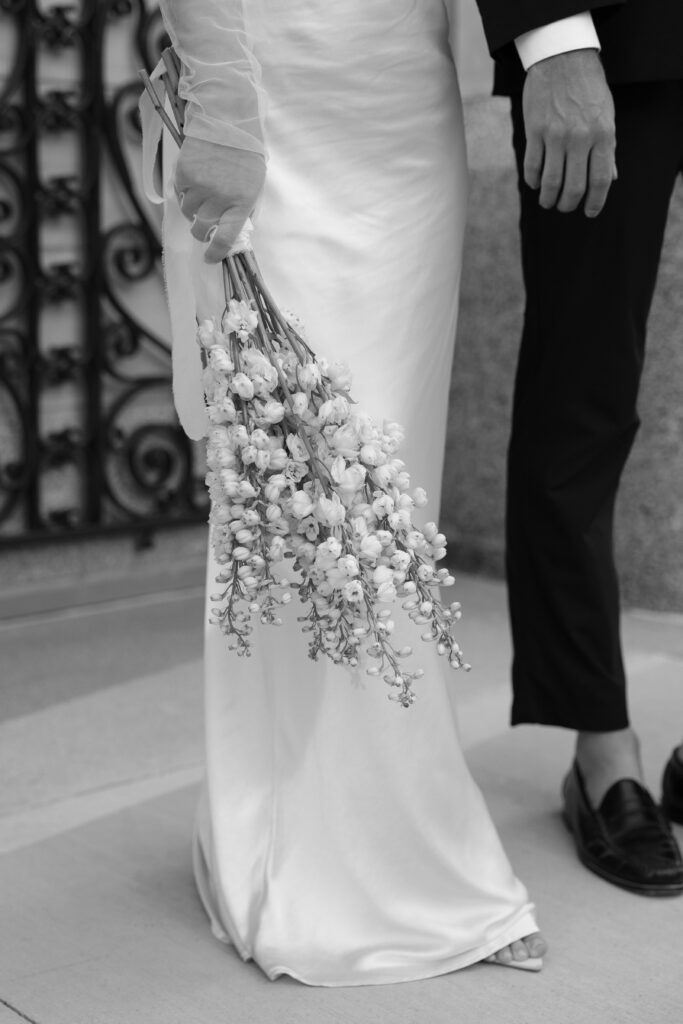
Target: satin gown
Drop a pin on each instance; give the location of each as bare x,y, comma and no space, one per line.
340,838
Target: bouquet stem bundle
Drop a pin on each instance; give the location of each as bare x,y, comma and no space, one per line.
307,495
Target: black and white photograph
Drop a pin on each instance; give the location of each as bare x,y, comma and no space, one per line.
341,511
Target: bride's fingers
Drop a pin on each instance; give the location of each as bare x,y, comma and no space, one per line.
202,228
223,238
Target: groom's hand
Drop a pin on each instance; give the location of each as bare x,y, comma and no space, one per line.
217,188
569,122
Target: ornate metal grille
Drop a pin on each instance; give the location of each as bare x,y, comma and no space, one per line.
89,442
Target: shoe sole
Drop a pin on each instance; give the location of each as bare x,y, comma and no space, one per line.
634,887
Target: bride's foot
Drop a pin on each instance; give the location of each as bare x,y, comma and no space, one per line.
522,952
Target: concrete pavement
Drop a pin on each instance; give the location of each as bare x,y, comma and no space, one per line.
101,752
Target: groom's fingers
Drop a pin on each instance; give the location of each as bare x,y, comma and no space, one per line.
553,174
533,160
575,178
602,174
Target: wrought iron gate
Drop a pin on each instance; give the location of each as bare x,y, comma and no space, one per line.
89,442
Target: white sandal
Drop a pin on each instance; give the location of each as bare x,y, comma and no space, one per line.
532,963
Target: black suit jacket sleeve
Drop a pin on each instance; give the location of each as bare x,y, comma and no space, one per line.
504,20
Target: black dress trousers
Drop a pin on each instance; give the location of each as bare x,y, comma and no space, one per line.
589,286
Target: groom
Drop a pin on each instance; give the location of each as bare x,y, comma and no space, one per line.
597,112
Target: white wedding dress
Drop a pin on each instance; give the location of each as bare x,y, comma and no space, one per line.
340,837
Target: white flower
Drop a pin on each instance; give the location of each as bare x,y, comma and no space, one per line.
278,459
415,541
383,506
295,472
273,411
358,525
308,376
305,552
299,403
309,528
273,513
223,458
241,319
348,565
382,574
330,549
401,560
383,476
399,520
394,433
386,592
227,409
259,438
277,549
274,488
349,480
345,441
218,436
264,383
301,504
353,592
206,333
370,547
220,514
242,386
330,511
245,491
262,459
219,360
297,448
334,410
230,481
248,454
261,372
372,455
339,376
430,531
217,415
238,435
420,497
336,577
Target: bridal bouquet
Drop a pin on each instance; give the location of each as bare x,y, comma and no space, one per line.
308,495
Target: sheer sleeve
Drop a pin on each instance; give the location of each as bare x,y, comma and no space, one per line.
221,77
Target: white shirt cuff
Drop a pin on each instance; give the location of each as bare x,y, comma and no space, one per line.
574,33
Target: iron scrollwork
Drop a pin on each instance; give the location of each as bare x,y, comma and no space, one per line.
89,441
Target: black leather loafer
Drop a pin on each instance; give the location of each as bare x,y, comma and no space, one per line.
672,789
627,840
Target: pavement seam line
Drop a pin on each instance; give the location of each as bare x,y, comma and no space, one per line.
13,1009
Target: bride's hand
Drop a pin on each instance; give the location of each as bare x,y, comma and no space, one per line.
217,188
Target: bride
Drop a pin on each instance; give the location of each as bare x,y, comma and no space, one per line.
340,839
